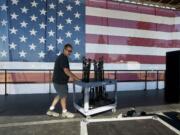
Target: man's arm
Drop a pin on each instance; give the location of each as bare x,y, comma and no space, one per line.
70,74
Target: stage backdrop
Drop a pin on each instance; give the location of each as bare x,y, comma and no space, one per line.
33,32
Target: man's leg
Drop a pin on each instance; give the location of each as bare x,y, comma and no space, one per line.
63,104
51,112
55,101
65,113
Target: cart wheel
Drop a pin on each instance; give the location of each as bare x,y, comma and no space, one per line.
114,110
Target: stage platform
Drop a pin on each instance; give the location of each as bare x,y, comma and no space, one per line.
25,114
126,126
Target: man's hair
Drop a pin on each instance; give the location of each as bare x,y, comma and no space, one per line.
67,45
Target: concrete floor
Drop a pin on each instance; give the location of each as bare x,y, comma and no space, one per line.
37,104
25,114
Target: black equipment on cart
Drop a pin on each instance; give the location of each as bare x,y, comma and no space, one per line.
86,69
98,95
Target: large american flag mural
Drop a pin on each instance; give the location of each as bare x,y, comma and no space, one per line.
128,36
36,30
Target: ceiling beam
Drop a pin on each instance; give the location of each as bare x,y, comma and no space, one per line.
170,1
177,5
158,3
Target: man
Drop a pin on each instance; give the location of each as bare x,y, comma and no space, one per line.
60,81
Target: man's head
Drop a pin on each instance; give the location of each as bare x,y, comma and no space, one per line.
68,49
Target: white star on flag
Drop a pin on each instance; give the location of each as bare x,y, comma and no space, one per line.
58,53
24,10
22,53
14,16
50,47
33,18
42,40
51,19
51,33
69,8
3,38
68,34
77,41
77,15
41,54
76,28
60,27
77,2
52,6
23,24
14,2
68,21
3,22
3,53
60,13
33,32
13,46
59,40
4,7
13,30
34,4
23,38
61,1
43,11
42,25
32,46
77,55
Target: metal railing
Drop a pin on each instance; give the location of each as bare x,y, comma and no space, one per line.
115,72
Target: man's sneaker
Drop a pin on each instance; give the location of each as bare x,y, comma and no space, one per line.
52,113
67,115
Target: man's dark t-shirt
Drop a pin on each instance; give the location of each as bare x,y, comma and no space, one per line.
59,76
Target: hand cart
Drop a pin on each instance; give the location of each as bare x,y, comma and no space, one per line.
86,86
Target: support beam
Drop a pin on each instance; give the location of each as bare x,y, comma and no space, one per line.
170,4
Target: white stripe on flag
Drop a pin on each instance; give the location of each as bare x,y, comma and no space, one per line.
126,49
107,66
115,31
109,13
177,20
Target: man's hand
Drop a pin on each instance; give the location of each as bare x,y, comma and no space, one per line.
70,74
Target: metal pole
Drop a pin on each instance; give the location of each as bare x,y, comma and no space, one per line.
86,100
115,73
5,79
145,81
49,81
157,81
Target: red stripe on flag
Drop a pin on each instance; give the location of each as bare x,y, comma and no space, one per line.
129,24
45,78
117,40
124,58
130,8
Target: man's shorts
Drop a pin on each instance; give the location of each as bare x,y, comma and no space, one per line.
61,89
